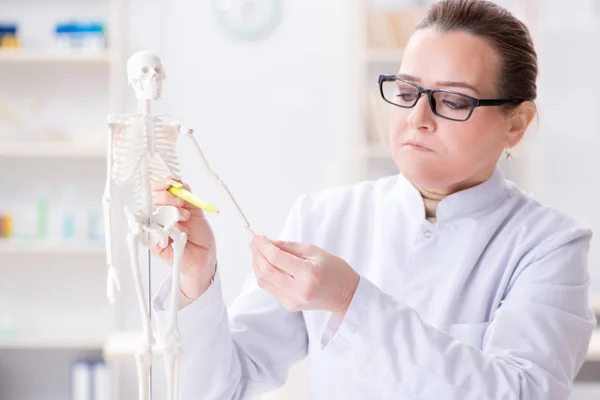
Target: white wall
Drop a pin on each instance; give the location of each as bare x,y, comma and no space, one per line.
569,133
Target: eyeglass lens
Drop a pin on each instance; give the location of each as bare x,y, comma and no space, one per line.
449,105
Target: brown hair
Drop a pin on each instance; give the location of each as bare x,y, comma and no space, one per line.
504,32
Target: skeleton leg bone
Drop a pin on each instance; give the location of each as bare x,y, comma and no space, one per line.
172,349
144,353
213,175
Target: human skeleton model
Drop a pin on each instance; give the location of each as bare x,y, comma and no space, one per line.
142,150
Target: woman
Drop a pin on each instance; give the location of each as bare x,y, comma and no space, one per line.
442,282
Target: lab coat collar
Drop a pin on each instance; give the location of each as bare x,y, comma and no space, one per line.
465,203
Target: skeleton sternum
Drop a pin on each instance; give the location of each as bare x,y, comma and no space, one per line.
145,190
150,134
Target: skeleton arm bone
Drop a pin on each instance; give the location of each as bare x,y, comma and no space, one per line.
112,278
213,175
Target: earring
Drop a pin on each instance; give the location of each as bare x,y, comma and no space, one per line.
507,153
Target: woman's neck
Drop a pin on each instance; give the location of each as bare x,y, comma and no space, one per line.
432,197
431,201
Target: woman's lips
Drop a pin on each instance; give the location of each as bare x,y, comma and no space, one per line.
416,146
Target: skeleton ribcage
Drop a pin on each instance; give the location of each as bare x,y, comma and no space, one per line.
131,150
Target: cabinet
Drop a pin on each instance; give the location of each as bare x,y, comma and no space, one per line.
53,108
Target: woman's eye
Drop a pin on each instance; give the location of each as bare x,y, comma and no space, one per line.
407,95
456,105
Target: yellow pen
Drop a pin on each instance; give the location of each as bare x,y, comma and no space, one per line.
177,189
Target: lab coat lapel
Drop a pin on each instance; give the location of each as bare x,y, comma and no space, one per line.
397,219
460,211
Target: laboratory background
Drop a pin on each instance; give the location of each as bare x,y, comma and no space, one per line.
283,99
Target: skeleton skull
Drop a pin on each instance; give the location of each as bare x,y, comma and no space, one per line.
146,73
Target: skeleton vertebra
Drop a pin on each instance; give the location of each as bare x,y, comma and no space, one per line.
141,149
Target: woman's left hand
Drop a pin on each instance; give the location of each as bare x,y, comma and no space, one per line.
302,276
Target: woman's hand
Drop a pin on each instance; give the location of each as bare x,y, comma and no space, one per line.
302,276
199,257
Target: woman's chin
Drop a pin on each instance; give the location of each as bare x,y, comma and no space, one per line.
421,173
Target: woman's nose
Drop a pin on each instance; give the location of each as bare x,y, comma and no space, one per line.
421,116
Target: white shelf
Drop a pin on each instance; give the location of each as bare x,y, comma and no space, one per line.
52,150
594,349
18,247
392,56
54,56
124,344
51,342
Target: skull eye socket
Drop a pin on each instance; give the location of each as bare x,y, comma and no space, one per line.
158,70
145,70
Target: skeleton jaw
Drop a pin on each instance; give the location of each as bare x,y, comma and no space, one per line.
149,88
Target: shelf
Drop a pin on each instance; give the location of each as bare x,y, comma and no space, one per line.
52,150
594,349
391,56
124,344
49,342
20,247
52,56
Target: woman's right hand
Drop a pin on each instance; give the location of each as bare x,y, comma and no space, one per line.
199,256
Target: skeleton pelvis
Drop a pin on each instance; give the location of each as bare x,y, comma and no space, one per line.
155,229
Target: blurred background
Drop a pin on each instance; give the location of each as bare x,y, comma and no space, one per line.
283,98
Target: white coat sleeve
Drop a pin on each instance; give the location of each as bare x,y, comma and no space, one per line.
532,349
240,352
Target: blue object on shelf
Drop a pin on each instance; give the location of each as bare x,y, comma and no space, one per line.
8,31
80,35
68,227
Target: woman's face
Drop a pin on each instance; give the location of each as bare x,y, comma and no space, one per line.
441,155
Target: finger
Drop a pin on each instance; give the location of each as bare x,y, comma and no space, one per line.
166,253
267,285
166,198
182,228
166,185
184,214
301,250
271,273
160,186
280,258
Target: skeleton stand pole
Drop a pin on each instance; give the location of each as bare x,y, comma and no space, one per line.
150,314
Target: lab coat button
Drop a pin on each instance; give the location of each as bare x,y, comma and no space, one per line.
427,234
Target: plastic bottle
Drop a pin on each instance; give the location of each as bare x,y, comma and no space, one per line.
42,201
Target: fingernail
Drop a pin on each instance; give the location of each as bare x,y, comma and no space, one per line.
186,213
180,201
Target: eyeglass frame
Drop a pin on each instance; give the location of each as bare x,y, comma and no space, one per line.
475,102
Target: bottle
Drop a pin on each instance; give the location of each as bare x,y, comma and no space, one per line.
5,225
63,214
43,205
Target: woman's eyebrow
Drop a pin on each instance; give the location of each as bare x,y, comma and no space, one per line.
442,83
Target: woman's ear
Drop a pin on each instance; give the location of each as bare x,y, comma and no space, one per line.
519,121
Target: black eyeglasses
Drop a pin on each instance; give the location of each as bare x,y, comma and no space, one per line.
444,103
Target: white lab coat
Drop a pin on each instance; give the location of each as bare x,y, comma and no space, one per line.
489,302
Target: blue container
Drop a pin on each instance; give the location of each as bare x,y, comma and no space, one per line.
8,29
